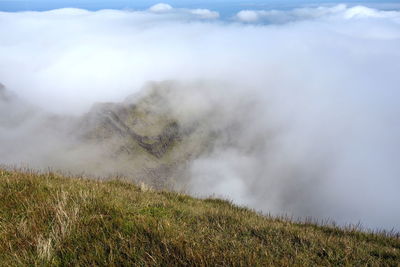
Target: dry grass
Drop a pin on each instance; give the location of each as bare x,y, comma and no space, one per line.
47,219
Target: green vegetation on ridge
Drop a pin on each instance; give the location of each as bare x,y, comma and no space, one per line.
48,219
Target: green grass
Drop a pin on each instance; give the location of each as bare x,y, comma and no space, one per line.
48,219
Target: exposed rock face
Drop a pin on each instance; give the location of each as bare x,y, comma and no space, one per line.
143,134
155,145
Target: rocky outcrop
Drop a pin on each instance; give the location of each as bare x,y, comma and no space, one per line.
155,145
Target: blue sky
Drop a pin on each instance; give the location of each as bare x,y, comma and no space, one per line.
224,7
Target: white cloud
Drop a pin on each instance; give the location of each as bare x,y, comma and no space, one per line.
310,13
161,7
195,13
308,109
249,15
205,13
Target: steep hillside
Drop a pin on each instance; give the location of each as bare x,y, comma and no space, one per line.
48,219
141,137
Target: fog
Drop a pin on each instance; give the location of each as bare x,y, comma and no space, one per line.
305,101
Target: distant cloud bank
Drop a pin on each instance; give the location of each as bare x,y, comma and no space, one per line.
197,13
298,14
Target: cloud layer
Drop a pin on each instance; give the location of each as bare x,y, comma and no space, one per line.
337,12
306,100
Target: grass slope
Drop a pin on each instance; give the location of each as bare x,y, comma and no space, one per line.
47,219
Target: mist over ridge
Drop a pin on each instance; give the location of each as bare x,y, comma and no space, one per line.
290,112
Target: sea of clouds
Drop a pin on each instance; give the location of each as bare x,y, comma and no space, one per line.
314,93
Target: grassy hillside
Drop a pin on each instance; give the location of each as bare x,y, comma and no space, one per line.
46,219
